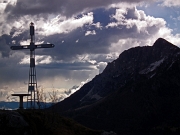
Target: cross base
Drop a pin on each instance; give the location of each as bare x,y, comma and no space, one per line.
21,99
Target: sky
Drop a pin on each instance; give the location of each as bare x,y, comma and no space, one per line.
87,35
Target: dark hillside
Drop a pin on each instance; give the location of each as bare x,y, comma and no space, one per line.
137,93
38,122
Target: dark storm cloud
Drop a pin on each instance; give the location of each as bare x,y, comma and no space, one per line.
69,45
6,41
11,70
68,66
67,48
65,7
5,45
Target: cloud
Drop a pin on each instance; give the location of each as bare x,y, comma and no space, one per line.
101,66
5,95
90,33
171,3
74,88
61,24
124,24
39,59
129,18
127,27
64,7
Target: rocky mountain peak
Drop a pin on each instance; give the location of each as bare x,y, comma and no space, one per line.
138,58
139,88
131,63
162,43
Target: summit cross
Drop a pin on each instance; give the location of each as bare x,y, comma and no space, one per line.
32,84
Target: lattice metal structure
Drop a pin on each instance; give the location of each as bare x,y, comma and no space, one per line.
32,100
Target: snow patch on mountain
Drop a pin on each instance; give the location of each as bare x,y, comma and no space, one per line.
96,96
91,95
152,67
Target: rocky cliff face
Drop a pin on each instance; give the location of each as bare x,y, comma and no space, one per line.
138,91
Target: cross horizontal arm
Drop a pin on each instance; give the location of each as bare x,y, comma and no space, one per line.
32,46
18,47
45,46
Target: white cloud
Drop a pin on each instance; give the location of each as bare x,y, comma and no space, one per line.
146,30
25,42
74,89
98,25
25,60
92,61
77,40
20,25
101,66
60,24
54,24
2,7
43,59
40,59
143,22
171,3
13,2
65,7
90,33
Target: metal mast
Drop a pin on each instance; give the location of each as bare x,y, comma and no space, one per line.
32,100
32,85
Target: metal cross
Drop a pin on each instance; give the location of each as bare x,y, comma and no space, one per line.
32,85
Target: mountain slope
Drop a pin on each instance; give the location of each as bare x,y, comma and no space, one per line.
38,122
138,92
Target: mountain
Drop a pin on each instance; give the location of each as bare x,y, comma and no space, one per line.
137,93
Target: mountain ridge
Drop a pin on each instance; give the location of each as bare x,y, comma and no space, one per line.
139,91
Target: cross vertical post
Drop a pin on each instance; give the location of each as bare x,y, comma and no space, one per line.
32,84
